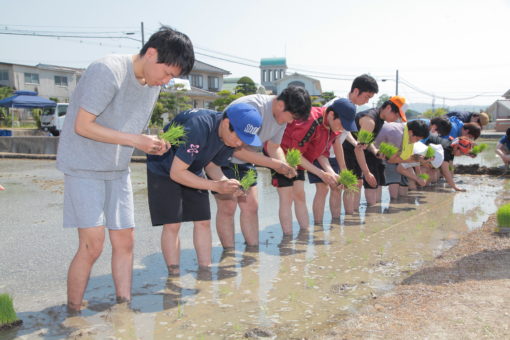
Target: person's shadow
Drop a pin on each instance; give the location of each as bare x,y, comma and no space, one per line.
482,266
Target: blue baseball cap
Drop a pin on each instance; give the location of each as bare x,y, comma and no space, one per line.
246,121
346,111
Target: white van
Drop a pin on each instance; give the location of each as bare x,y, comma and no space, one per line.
52,118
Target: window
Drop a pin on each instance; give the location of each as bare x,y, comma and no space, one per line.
196,80
4,75
31,78
61,80
214,83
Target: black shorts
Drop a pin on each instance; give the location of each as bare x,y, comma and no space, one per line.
314,178
171,202
374,164
280,181
237,171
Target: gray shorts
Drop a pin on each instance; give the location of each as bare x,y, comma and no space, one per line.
95,202
392,176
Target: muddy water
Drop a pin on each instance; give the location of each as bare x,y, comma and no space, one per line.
288,288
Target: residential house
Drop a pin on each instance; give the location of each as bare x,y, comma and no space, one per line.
48,81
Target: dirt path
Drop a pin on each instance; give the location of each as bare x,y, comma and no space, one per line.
463,294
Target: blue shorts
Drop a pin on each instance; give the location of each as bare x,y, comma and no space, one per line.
314,178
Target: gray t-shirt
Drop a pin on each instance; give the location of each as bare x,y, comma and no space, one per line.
109,90
270,130
390,133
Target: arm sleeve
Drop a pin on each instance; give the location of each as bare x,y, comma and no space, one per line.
99,87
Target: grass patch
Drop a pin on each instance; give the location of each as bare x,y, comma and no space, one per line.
175,135
293,157
8,317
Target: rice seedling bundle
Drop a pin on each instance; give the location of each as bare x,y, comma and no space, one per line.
503,216
424,176
349,180
388,149
430,152
365,137
248,179
293,157
8,317
175,135
478,148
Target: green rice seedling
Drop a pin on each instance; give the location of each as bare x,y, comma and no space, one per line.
503,217
175,135
293,157
430,152
8,317
478,148
424,176
349,180
365,137
388,149
248,179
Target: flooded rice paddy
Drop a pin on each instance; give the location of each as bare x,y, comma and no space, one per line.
289,288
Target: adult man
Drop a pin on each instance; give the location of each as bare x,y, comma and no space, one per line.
363,88
109,109
481,118
210,141
313,138
364,162
277,111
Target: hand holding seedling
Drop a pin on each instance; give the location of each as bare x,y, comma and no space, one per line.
286,170
150,144
228,186
329,178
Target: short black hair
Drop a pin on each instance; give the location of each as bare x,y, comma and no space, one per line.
174,48
419,128
508,132
473,129
230,126
443,125
394,107
365,83
297,101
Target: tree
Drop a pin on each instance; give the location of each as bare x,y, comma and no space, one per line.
327,96
5,91
226,97
246,86
382,98
171,102
411,114
435,113
316,102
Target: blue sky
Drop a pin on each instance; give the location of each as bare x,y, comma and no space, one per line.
446,48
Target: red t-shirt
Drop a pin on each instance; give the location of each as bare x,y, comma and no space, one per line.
311,136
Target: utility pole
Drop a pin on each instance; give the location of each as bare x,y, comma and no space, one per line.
143,34
396,86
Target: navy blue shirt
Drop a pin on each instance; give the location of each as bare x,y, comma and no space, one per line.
505,141
203,145
463,116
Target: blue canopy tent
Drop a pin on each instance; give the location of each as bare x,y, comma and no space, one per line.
26,99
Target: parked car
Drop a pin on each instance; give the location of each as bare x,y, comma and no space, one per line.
52,118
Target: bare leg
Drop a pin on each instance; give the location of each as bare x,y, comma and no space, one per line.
319,201
394,190
371,196
250,217
299,198
91,241
285,211
225,225
335,203
122,262
171,246
203,242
